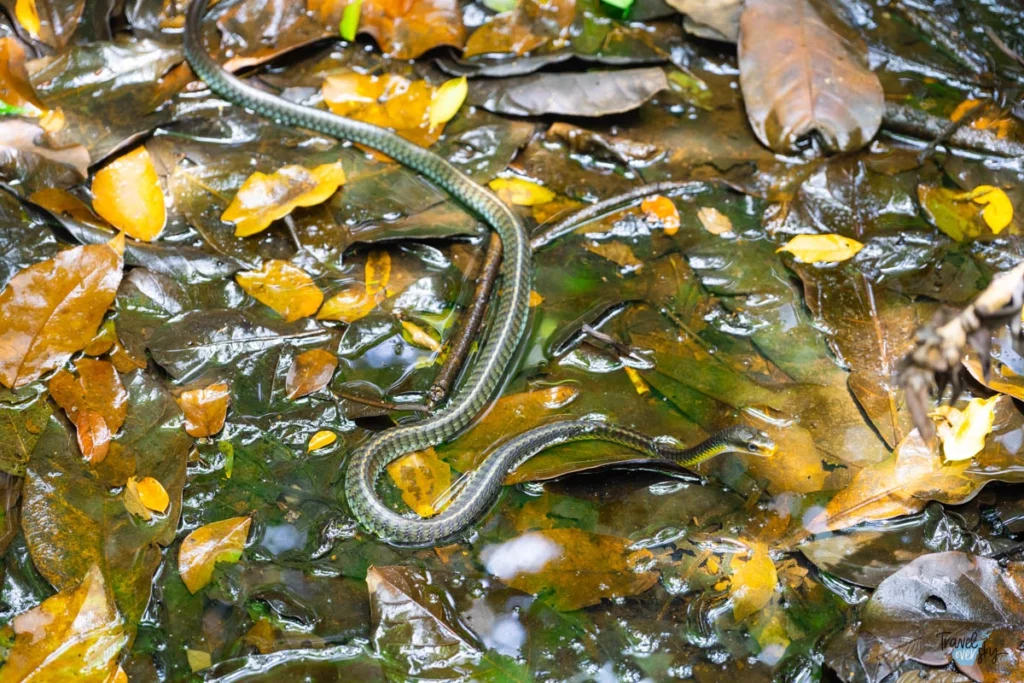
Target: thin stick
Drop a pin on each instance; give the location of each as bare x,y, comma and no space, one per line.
1003,47
951,128
383,405
906,120
471,324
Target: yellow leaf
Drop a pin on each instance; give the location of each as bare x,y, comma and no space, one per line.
387,100
663,211
422,478
284,287
321,439
822,248
198,659
357,300
262,198
638,382
521,192
535,299
377,271
447,100
153,495
28,16
420,337
132,501
963,432
75,635
205,409
714,221
127,193
209,545
753,582
998,211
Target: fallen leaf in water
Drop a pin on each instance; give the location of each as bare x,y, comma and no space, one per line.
285,288
446,101
358,299
198,660
93,436
310,372
321,439
798,76
76,634
15,90
29,156
422,478
205,409
752,583
981,213
263,199
661,211
718,20
209,545
521,192
617,253
143,497
96,402
822,248
417,336
963,432
714,221
998,211
592,93
530,25
22,421
28,16
405,29
52,309
127,193
569,568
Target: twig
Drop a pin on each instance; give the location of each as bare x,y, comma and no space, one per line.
951,128
906,120
471,323
383,405
937,359
1003,47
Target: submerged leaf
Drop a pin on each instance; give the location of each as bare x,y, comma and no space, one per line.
799,77
262,198
358,299
127,193
569,568
205,409
404,29
753,582
310,372
521,192
963,433
52,309
76,634
980,214
530,25
661,211
822,248
593,93
422,478
285,288
209,545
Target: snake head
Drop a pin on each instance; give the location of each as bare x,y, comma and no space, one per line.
743,439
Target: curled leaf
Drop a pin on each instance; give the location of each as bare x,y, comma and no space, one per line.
143,497
998,211
358,299
822,248
127,193
262,198
205,409
310,372
93,436
209,545
27,14
418,336
285,288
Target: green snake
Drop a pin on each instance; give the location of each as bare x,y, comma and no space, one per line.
368,461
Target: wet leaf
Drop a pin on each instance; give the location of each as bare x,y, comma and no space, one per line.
27,14
798,77
718,20
97,388
946,607
967,216
594,93
447,100
998,211
618,253
198,660
262,198
288,290
310,372
532,24
142,498
76,634
205,409
753,582
413,629
963,432
209,545
93,435
357,300
569,568
127,193
662,212
420,337
27,155
404,29
350,19
22,420
15,90
822,248
321,439
714,221
422,478
521,192
52,309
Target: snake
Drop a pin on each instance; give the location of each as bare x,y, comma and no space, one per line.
368,461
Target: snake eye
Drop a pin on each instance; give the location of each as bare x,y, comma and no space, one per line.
752,447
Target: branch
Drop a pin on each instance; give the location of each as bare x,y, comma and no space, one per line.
937,359
906,120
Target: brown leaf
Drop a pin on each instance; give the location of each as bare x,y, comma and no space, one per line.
717,20
404,29
27,154
310,372
97,388
571,569
799,76
52,309
76,634
127,193
15,89
208,545
530,25
93,436
285,288
205,409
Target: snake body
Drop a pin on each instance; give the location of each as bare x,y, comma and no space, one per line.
368,461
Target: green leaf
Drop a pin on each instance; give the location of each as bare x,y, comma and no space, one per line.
350,20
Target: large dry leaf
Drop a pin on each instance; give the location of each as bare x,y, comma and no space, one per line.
76,635
571,568
799,76
52,309
405,29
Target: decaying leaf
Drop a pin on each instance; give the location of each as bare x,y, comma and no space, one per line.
358,299
287,289
822,248
570,568
530,25
127,193
799,77
205,409
262,198
405,29
96,394
714,221
209,545
22,420
661,211
76,634
52,309
420,337
422,478
310,372
752,583
980,214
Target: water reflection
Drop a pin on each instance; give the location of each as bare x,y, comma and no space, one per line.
527,554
